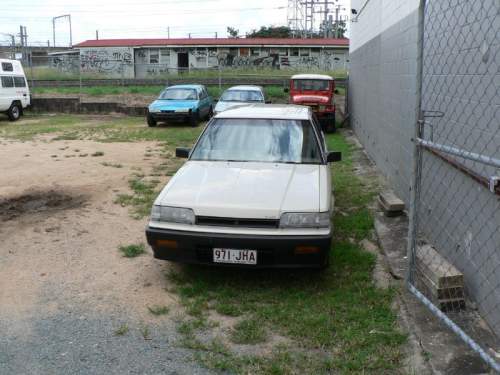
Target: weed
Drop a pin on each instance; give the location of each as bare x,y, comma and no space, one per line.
97,153
114,165
145,332
158,310
132,251
249,331
121,330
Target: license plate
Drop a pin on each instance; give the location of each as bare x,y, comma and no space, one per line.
235,256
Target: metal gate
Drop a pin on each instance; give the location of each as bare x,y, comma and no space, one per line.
454,237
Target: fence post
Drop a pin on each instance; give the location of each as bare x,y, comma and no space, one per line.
220,77
80,77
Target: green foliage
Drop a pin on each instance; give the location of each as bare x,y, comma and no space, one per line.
271,32
132,251
158,310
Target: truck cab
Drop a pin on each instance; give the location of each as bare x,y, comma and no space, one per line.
14,90
315,91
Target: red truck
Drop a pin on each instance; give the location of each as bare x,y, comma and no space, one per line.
315,91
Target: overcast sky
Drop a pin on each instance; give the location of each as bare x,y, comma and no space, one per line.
142,19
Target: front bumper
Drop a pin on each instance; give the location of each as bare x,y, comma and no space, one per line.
166,116
272,251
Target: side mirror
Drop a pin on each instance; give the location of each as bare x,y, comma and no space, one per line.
182,152
286,89
336,91
333,156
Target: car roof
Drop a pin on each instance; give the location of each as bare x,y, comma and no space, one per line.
245,88
187,86
312,76
268,111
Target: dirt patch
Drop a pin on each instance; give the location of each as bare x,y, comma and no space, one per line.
38,201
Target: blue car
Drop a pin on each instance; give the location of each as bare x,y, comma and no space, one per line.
188,103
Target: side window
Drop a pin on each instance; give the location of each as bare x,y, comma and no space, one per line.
7,81
19,82
154,56
203,94
7,67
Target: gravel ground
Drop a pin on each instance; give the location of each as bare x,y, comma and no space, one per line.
65,288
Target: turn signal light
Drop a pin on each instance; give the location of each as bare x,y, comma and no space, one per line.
172,244
307,250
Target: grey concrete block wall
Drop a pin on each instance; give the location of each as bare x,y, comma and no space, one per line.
461,78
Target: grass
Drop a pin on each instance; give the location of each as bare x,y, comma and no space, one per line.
122,330
132,251
114,165
98,153
142,197
336,320
158,310
273,93
248,331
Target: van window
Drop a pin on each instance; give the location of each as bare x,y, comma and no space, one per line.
7,81
19,82
7,67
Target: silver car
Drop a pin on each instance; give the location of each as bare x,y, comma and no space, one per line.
239,95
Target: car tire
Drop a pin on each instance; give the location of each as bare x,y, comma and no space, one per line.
326,262
151,121
330,126
14,112
193,120
210,113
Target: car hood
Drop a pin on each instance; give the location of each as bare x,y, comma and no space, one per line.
320,99
172,104
244,189
223,106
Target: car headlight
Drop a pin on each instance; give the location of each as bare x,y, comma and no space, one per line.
183,110
172,214
305,220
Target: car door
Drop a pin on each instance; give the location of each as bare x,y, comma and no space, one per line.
7,94
22,90
204,104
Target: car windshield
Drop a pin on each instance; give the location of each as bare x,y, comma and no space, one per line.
311,84
179,94
262,140
242,96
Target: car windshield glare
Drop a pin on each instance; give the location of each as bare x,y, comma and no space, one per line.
259,140
242,96
178,94
311,84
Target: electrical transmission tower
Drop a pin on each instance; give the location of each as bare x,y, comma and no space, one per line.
302,21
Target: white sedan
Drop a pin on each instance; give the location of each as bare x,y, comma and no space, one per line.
238,96
255,191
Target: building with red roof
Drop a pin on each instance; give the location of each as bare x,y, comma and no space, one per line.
142,58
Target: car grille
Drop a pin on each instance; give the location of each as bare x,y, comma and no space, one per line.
236,222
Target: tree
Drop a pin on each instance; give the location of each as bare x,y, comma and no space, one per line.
271,32
232,32
339,29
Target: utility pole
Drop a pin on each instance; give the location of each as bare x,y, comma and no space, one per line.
97,35
168,32
68,16
216,35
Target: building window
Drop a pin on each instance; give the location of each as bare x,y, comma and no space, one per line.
154,56
304,52
254,51
244,51
165,52
315,52
294,52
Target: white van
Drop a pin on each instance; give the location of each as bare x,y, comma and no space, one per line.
14,90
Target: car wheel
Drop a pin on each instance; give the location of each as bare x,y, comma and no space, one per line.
151,121
193,121
210,113
14,112
330,126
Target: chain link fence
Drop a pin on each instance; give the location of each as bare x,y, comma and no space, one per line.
454,240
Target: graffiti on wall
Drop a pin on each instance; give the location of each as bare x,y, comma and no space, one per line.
66,63
110,61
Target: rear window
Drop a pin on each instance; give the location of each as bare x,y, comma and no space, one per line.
19,82
7,67
311,84
7,81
